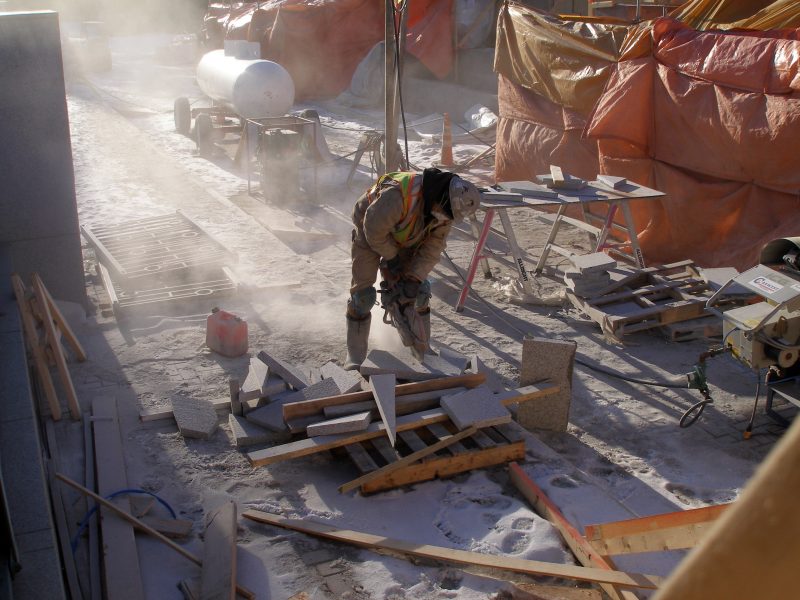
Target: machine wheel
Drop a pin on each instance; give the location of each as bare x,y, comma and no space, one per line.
183,116
204,134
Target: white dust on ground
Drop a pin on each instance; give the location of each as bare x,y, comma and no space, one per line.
623,452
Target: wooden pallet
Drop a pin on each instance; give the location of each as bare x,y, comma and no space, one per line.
647,298
695,329
487,447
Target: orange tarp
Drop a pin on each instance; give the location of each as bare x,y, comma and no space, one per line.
321,42
713,120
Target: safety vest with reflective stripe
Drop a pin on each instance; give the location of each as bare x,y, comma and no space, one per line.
410,185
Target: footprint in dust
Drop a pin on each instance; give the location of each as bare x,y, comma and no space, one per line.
523,524
684,493
515,542
563,481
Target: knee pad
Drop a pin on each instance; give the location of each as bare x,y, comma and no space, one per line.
361,302
423,296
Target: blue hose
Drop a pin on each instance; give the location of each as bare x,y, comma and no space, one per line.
85,520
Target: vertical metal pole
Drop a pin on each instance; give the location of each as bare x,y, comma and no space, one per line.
390,91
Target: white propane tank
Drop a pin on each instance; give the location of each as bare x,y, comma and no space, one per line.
253,89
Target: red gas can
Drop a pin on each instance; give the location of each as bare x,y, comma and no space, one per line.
226,333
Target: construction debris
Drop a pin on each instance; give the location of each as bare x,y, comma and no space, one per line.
246,433
356,422
551,360
477,407
196,418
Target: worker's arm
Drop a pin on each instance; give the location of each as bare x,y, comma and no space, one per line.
429,252
380,219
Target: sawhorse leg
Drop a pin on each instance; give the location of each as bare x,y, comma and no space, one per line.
602,237
519,260
629,224
477,255
551,238
476,231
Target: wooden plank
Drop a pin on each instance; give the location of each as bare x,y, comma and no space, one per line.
363,461
63,326
440,432
669,531
94,535
218,577
581,548
310,446
55,346
483,440
407,460
36,348
412,440
311,407
386,450
108,284
382,387
241,590
122,575
506,563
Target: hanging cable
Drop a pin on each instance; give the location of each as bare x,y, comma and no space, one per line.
397,74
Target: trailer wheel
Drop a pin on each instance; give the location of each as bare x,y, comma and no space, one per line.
204,134
183,116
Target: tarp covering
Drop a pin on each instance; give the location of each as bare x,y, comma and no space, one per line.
321,42
712,119
742,14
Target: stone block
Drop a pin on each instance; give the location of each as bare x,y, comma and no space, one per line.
196,418
381,362
596,261
246,433
449,361
477,406
289,373
346,381
542,359
270,416
259,383
357,422
321,389
493,381
341,410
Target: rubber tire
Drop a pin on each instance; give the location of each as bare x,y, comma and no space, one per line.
204,134
182,113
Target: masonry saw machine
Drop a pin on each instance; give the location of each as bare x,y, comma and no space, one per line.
761,334
401,313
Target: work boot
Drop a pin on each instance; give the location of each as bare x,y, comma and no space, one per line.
357,338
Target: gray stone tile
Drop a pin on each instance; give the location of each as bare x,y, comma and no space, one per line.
196,418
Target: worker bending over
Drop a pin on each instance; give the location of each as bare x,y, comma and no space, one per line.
401,227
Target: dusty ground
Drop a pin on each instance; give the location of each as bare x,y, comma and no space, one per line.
623,454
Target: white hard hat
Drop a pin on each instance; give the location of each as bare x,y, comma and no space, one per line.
464,198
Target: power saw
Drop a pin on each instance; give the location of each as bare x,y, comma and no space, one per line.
403,316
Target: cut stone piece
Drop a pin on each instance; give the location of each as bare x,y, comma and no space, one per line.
478,407
381,362
246,433
612,181
321,389
257,376
289,373
271,415
528,188
195,418
341,410
596,261
542,359
347,381
493,381
383,390
458,361
357,422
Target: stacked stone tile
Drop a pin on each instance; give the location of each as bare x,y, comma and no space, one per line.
589,274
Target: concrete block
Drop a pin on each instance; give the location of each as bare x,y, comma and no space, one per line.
477,406
346,381
357,422
321,389
289,373
543,358
246,433
257,376
596,261
196,418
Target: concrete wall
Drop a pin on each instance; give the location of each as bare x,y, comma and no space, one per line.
38,212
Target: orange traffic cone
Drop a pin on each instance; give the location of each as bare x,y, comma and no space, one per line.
447,143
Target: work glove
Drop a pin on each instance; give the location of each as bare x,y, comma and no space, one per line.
410,288
391,270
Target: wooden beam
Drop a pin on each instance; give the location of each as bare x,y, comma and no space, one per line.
36,348
66,330
241,590
309,446
669,531
309,408
407,460
53,340
582,549
506,563
218,577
